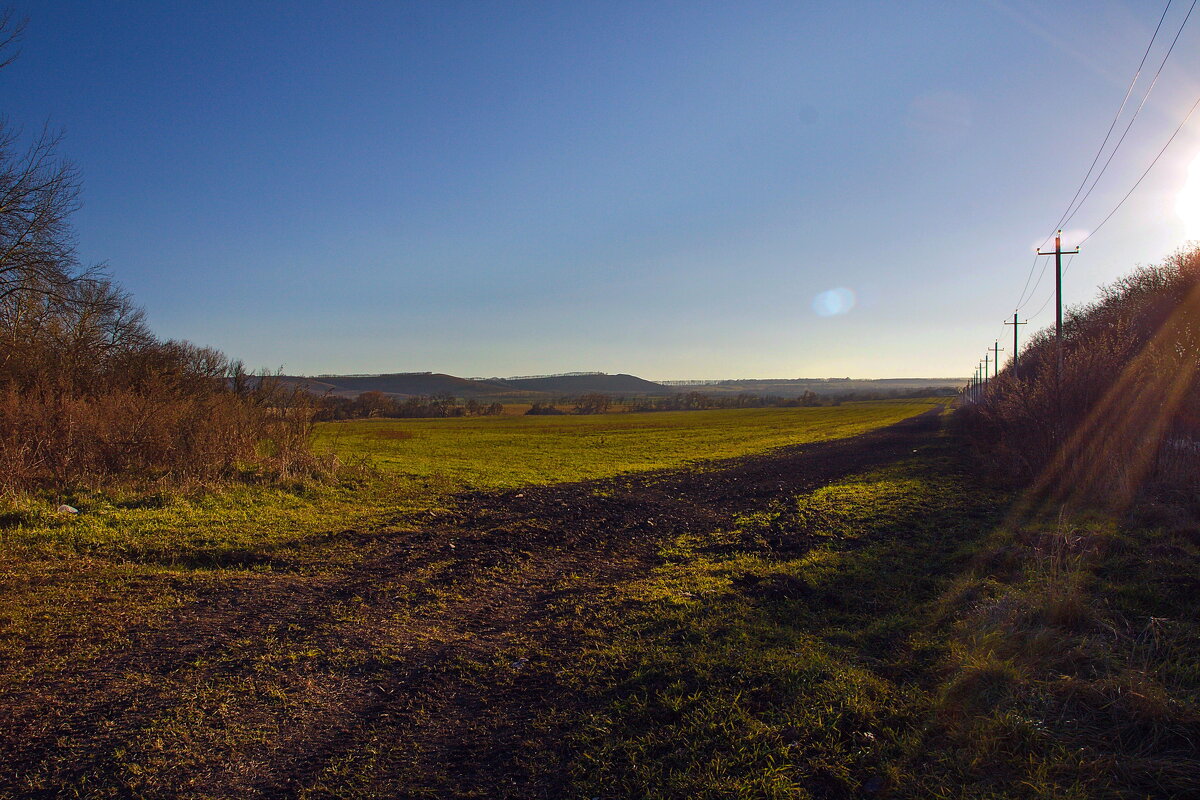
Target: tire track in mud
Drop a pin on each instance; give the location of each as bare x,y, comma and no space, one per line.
502,557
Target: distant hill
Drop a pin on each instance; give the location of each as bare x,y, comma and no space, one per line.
314,385
408,384
589,383
542,387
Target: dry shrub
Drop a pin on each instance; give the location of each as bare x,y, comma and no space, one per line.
1128,409
88,395
158,431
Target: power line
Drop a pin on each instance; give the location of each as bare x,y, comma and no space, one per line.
1077,201
1144,174
1050,296
1115,209
1027,278
1137,74
1100,151
1045,302
1041,308
1135,114
1038,282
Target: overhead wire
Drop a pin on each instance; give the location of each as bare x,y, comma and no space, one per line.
1137,111
1099,150
1137,183
1038,282
1028,277
1050,296
1072,207
1125,100
1041,308
1077,201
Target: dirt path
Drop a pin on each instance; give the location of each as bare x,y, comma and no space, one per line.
418,669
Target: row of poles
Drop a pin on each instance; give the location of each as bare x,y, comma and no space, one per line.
976,388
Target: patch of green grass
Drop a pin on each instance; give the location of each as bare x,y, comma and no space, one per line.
1072,666
893,634
234,526
779,661
74,587
246,526
505,452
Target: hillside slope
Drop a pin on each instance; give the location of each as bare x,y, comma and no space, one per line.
619,384
407,384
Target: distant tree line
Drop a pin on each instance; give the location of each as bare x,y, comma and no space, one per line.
696,401
597,403
378,404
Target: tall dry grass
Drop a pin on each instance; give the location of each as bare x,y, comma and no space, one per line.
88,396
155,433
1127,412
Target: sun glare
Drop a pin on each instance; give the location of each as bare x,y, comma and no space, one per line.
1187,204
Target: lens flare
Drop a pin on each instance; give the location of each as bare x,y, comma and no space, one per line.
833,302
1187,202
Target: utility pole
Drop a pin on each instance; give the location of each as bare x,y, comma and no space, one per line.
1016,325
986,362
996,350
1058,254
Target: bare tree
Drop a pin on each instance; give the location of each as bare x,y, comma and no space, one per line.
10,33
38,192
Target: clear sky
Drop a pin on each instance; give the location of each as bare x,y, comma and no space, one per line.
670,189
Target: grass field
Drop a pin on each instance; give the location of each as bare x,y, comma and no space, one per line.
502,452
410,466
858,618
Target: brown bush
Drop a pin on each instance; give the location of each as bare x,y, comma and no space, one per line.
1127,410
88,395
159,431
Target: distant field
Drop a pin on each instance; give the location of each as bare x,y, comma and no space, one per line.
499,452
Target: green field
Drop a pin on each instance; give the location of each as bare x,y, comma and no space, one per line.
866,618
502,452
401,467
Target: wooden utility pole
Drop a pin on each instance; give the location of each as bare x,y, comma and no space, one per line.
987,360
1058,254
996,351
1016,325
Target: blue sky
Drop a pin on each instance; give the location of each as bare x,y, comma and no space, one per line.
657,188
